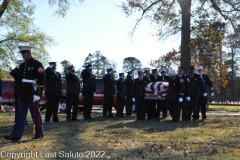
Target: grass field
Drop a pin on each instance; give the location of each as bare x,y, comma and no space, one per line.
225,108
218,137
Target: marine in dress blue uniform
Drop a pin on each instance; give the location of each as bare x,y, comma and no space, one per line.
53,91
202,102
89,89
30,91
109,92
73,93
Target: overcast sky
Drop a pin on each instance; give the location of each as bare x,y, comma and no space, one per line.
97,26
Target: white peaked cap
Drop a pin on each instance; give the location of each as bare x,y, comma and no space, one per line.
24,48
140,70
163,70
200,68
172,73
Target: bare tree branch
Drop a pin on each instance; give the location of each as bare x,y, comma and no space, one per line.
3,7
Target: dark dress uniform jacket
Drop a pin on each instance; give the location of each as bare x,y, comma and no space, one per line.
176,89
154,78
89,83
73,84
0,88
53,84
139,86
109,85
121,89
30,70
129,82
207,82
195,83
15,74
163,79
186,84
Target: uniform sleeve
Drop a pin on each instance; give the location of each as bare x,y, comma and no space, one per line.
134,88
209,83
47,73
0,88
201,83
181,87
14,73
40,79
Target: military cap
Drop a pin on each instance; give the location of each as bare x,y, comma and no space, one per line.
146,69
154,70
25,48
52,63
71,67
163,70
121,74
181,68
109,69
89,66
129,72
140,70
191,67
200,68
172,73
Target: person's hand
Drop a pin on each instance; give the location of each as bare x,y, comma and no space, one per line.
188,98
80,94
212,94
204,94
0,98
36,98
133,99
94,93
180,99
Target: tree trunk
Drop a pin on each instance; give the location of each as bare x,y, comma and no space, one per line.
185,33
3,7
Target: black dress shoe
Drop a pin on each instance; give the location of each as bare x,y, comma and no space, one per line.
10,138
56,121
74,119
110,115
104,116
37,137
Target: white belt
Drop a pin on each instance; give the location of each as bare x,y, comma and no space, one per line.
28,81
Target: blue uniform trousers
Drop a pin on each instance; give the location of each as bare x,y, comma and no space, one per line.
22,115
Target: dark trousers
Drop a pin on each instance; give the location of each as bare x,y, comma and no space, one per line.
151,109
107,105
202,105
72,102
120,106
87,104
161,107
173,108
183,108
192,109
129,105
52,108
23,107
16,106
140,105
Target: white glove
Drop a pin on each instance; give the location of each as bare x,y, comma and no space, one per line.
180,100
51,66
80,94
94,93
212,94
125,97
133,99
188,98
204,94
35,98
0,98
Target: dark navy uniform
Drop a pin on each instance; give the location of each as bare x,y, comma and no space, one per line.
139,94
121,94
176,90
53,92
162,105
129,83
73,90
0,88
196,83
32,82
89,88
202,102
109,91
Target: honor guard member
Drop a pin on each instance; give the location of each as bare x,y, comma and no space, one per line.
196,83
139,94
183,105
73,93
109,92
53,92
175,94
162,105
202,102
121,94
30,91
16,75
129,83
89,89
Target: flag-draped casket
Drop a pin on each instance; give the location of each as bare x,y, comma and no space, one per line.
156,90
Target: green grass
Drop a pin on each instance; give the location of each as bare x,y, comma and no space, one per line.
218,137
224,108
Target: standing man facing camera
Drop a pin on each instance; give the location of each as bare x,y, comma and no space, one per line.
89,89
30,91
53,91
